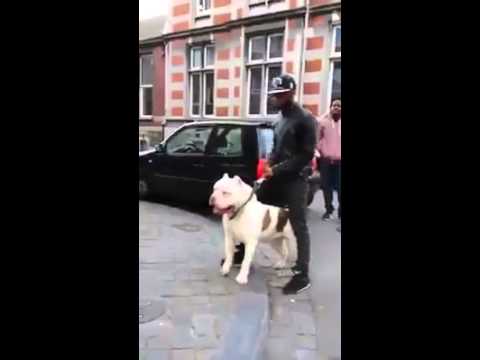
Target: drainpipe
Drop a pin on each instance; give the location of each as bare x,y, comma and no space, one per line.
302,54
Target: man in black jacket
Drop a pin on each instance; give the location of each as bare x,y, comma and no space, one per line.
286,174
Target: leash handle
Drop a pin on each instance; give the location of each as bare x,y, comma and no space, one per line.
256,184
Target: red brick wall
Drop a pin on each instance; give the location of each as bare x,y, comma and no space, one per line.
223,74
222,18
220,3
223,54
311,88
181,9
180,26
177,77
313,65
177,111
222,92
315,43
177,94
221,111
313,108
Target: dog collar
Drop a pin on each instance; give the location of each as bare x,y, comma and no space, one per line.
256,185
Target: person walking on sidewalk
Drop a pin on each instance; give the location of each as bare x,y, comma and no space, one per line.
329,147
286,174
287,170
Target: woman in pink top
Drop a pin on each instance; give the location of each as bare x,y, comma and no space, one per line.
329,147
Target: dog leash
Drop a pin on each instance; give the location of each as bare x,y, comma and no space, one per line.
256,186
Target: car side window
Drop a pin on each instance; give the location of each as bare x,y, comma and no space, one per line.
190,141
227,142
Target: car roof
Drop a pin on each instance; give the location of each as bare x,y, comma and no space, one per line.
230,122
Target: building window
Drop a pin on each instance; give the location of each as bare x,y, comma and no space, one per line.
146,86
202,82
265,56
335,88
203,7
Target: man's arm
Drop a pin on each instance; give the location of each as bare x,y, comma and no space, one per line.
306,140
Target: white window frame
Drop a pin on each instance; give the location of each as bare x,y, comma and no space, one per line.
192,51
145,86
205,66
262,67
269,39
335,56
250,45
204,98
265,65
202,71
192,74
201,11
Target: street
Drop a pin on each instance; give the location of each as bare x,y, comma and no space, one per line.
185,303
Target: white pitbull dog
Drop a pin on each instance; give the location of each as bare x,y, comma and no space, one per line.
247,220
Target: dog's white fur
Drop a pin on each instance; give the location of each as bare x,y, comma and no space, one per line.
229,194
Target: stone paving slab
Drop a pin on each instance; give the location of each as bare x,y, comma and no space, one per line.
179,264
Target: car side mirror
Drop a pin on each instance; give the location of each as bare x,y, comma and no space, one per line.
160,148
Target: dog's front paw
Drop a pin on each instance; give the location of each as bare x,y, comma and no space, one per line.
241,279
224,270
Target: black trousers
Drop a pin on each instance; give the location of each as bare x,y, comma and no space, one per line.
291,194
330,172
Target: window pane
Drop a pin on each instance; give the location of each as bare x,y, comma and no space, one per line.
195,79
204,4
228,142
189,141
255,90
273,71
336,81
258,48
147,101
209,55
265,142
147,70
209,83
276,46
196,58
338,39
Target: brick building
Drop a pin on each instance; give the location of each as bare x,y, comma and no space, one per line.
220,57
152,80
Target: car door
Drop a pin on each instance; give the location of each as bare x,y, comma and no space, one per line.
228,153
182,169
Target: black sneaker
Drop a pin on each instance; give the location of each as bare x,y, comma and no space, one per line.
297,284
237,256
327,215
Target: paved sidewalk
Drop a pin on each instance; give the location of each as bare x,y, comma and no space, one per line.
186,305
179,257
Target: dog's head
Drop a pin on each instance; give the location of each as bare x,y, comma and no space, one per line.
228,195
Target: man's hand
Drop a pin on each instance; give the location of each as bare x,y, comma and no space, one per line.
267,171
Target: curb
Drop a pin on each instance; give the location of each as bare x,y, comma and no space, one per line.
247,332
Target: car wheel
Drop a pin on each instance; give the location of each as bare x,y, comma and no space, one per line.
143,189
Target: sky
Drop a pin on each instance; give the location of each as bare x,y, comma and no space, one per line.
152,8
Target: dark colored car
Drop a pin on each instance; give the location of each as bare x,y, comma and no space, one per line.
186,165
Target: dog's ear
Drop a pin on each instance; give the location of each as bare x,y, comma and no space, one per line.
237,179
225,176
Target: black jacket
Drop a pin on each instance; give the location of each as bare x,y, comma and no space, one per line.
294,143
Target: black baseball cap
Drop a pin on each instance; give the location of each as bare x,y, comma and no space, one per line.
281,84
